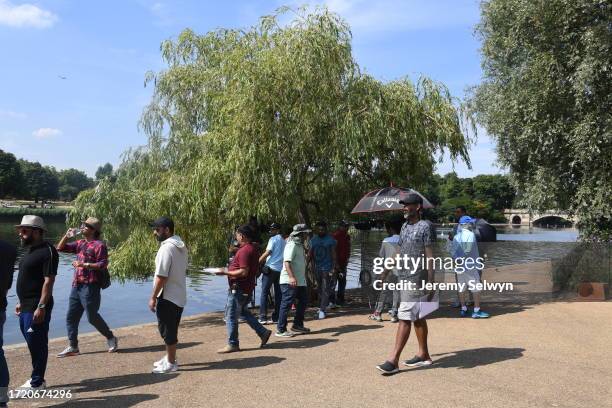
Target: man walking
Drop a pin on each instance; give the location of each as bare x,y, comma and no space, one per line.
388,249
417,237
85,296
241,276
323,257
169,290
37,271
343,252
465,248
293,283
8,256
273,258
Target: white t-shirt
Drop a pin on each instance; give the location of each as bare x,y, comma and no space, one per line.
171,262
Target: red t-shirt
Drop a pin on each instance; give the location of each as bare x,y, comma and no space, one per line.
247,257
343,247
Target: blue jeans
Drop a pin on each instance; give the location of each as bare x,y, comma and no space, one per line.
237,306
268,279
341,280
324,288
4,372
37,338
291,293
85,298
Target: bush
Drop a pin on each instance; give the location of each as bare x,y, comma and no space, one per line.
41,212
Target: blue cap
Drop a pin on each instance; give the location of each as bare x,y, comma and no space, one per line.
465,219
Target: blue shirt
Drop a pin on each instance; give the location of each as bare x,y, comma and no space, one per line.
322,248
276,246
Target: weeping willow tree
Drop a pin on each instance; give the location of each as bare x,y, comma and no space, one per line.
277,120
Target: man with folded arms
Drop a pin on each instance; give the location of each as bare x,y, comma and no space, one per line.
241,276
293,283
169,289
37,271
85,296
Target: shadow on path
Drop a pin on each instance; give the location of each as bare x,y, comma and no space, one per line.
144,349
475,357
235,364
303,343
348,328
116,383
108,401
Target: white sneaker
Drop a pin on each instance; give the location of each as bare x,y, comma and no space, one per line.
321,315
165,367
113,344
68,352
27,386
162,360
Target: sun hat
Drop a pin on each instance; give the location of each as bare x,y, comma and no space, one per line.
32,221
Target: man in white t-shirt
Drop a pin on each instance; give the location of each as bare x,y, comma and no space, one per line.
169,289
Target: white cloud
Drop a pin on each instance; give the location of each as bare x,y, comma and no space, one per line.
402,15
12,114
25,15
45,133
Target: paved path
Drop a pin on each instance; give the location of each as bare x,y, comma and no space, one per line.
527,355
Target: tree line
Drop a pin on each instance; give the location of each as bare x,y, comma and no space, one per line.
26,180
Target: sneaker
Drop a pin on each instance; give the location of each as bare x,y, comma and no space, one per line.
376,317
417,361
228,349
265,337
286,333
69,352
388,368
263,321
394,319
298,329
27,386
241,320
113,344
464,313
480,315
163,359
165,368
321,315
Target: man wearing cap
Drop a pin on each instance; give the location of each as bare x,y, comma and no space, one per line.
37,271
416,240
293,283
91,261
169,294
465,248
8,255
241,276
323,257
273,258
343,252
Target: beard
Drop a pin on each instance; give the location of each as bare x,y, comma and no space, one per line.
160,238
26,241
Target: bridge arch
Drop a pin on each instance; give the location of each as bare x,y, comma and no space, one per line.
552,220
516,220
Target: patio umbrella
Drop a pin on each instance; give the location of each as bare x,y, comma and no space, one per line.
386,199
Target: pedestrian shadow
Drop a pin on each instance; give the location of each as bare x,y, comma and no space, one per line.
234,364
108,401
145,349
206,320
304,343
348,328
494,309
475,357
117,383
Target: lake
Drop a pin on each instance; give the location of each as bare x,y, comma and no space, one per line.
126,304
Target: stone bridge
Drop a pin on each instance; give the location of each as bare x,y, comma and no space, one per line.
518,216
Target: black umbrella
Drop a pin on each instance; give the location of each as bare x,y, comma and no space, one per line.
386,199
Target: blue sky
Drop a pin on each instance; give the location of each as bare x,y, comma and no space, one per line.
72,72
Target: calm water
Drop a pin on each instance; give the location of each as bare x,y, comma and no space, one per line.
126,304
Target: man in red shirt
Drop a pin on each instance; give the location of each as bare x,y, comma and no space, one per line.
241,277
343,252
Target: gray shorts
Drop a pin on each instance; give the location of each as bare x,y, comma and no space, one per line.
408,311
468,276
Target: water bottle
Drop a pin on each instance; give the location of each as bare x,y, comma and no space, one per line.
73,232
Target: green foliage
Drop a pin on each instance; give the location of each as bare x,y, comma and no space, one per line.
40,182
10,175
546,100
41,212
274,120
104,171
73,181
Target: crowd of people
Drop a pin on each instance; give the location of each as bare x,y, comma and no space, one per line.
282,264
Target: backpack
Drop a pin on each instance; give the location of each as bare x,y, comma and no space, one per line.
104,279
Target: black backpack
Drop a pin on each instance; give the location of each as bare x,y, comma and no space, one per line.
104,279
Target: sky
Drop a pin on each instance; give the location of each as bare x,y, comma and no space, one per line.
72,72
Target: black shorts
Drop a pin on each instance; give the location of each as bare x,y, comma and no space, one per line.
168,319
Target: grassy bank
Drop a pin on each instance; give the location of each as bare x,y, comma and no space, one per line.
42,212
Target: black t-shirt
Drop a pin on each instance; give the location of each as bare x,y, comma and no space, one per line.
8,255
38,261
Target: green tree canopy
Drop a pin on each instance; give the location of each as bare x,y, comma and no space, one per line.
40,182
10,175
104,171
73,181
546,100
276,120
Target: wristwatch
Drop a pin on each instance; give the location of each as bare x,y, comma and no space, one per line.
41,305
